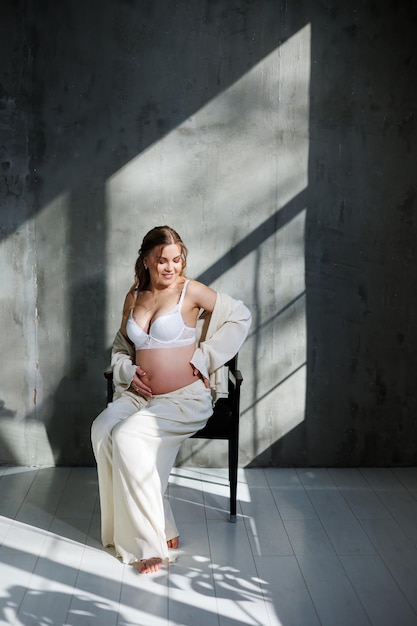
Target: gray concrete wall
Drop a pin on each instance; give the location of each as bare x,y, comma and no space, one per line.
279,139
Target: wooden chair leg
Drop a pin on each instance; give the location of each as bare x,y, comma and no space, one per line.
233,461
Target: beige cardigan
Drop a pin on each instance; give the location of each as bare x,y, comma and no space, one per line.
220,335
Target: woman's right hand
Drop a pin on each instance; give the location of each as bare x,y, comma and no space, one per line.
138,385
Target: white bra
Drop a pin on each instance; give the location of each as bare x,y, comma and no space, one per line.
166,331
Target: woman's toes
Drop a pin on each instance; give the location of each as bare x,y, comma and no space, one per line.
149,566
173,543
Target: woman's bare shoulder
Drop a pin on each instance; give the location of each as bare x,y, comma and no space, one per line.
204,297
130,300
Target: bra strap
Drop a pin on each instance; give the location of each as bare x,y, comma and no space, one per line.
183,293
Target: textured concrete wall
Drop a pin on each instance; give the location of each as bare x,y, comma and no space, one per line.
279,139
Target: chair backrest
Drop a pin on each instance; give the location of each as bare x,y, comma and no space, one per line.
224,422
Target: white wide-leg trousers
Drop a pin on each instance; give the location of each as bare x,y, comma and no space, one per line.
135,443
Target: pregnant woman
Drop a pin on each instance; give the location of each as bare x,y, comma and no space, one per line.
165,379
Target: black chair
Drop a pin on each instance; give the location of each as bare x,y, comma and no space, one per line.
223,424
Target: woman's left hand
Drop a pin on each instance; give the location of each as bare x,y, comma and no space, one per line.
206,381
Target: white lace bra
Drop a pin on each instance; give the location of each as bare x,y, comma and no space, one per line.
166,331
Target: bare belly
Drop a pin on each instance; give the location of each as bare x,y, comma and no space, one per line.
167,369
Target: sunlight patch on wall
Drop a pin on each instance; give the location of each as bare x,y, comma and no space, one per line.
220,174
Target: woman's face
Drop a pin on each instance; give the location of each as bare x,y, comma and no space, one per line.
165,265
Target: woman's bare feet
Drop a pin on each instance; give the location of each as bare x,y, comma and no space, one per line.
149,566
173,543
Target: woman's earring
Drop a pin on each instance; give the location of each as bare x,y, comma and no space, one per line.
145,266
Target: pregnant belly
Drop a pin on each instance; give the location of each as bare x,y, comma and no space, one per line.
167,369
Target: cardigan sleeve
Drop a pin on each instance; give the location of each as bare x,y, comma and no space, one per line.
227,330
122,362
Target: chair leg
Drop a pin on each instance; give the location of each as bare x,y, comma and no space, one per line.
233,460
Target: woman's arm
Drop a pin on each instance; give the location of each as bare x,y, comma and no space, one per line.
125,372
122,360
226,332
203,297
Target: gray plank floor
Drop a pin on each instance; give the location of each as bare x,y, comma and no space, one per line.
310,547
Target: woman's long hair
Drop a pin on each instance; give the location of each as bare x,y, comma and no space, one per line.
160,236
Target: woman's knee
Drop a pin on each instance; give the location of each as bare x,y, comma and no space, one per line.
121,435
131,434
100,429
103,425
115,413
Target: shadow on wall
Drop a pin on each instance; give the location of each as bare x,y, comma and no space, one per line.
93,108
360,253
